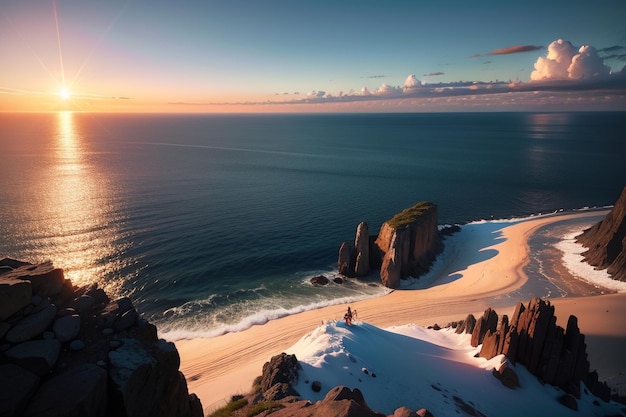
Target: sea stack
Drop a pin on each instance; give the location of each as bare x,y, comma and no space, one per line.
405,246
606,241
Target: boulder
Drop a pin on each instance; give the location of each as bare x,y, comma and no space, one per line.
32,325
281,368
143,375
15,294
319,280
83,304
46,280
79,391
66,328
18,386
37,356
507,376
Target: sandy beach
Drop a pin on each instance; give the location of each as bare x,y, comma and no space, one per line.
220,367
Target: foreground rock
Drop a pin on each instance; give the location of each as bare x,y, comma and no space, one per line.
71,351
406,246
606,241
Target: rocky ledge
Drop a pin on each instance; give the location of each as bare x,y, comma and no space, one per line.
531,338
606,241
406,245
71,351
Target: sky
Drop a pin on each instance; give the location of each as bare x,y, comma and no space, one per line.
275,55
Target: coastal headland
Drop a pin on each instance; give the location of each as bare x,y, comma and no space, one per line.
467,282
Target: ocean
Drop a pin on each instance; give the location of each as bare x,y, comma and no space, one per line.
214,223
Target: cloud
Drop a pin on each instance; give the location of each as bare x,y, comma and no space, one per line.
433,74
516,49
387,90
376,76
612,48
411,83
566,62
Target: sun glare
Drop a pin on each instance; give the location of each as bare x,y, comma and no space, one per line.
64,94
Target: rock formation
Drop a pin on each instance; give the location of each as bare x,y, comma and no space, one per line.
606,241
532,338
405,246
67,350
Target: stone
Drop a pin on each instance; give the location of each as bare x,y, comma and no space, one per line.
79,391
83,304
507,376
15,294
280,368
403,412
18,387
362,247
37,356
126,320
76,345
280,391
45,279
66,328
316,386
319,280
423,412
31,326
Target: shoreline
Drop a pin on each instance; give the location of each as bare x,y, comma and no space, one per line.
222,366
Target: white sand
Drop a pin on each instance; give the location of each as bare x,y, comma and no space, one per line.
219,367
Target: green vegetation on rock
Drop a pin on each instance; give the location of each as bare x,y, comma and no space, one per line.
229,408
264,406
410,215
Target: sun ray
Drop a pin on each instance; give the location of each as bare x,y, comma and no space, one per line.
56,21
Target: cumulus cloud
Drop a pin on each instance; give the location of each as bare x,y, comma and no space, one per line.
411,83
566,62
387,90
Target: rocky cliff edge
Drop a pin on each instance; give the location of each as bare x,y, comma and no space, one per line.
71,351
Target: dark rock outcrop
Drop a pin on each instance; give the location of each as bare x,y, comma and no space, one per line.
556,356
72,351
606,241
405,246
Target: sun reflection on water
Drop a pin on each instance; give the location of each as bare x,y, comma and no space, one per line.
80,227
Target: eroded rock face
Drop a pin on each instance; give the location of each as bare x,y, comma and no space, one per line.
532,338
362,246
72,351
406,246
606,241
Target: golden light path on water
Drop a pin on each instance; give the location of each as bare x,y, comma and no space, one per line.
76,213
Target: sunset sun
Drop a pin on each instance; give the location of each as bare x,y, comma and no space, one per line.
64,94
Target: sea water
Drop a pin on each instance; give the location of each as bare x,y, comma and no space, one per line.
213,223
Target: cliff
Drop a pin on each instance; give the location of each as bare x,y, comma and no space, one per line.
70,351
606,241
405,246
